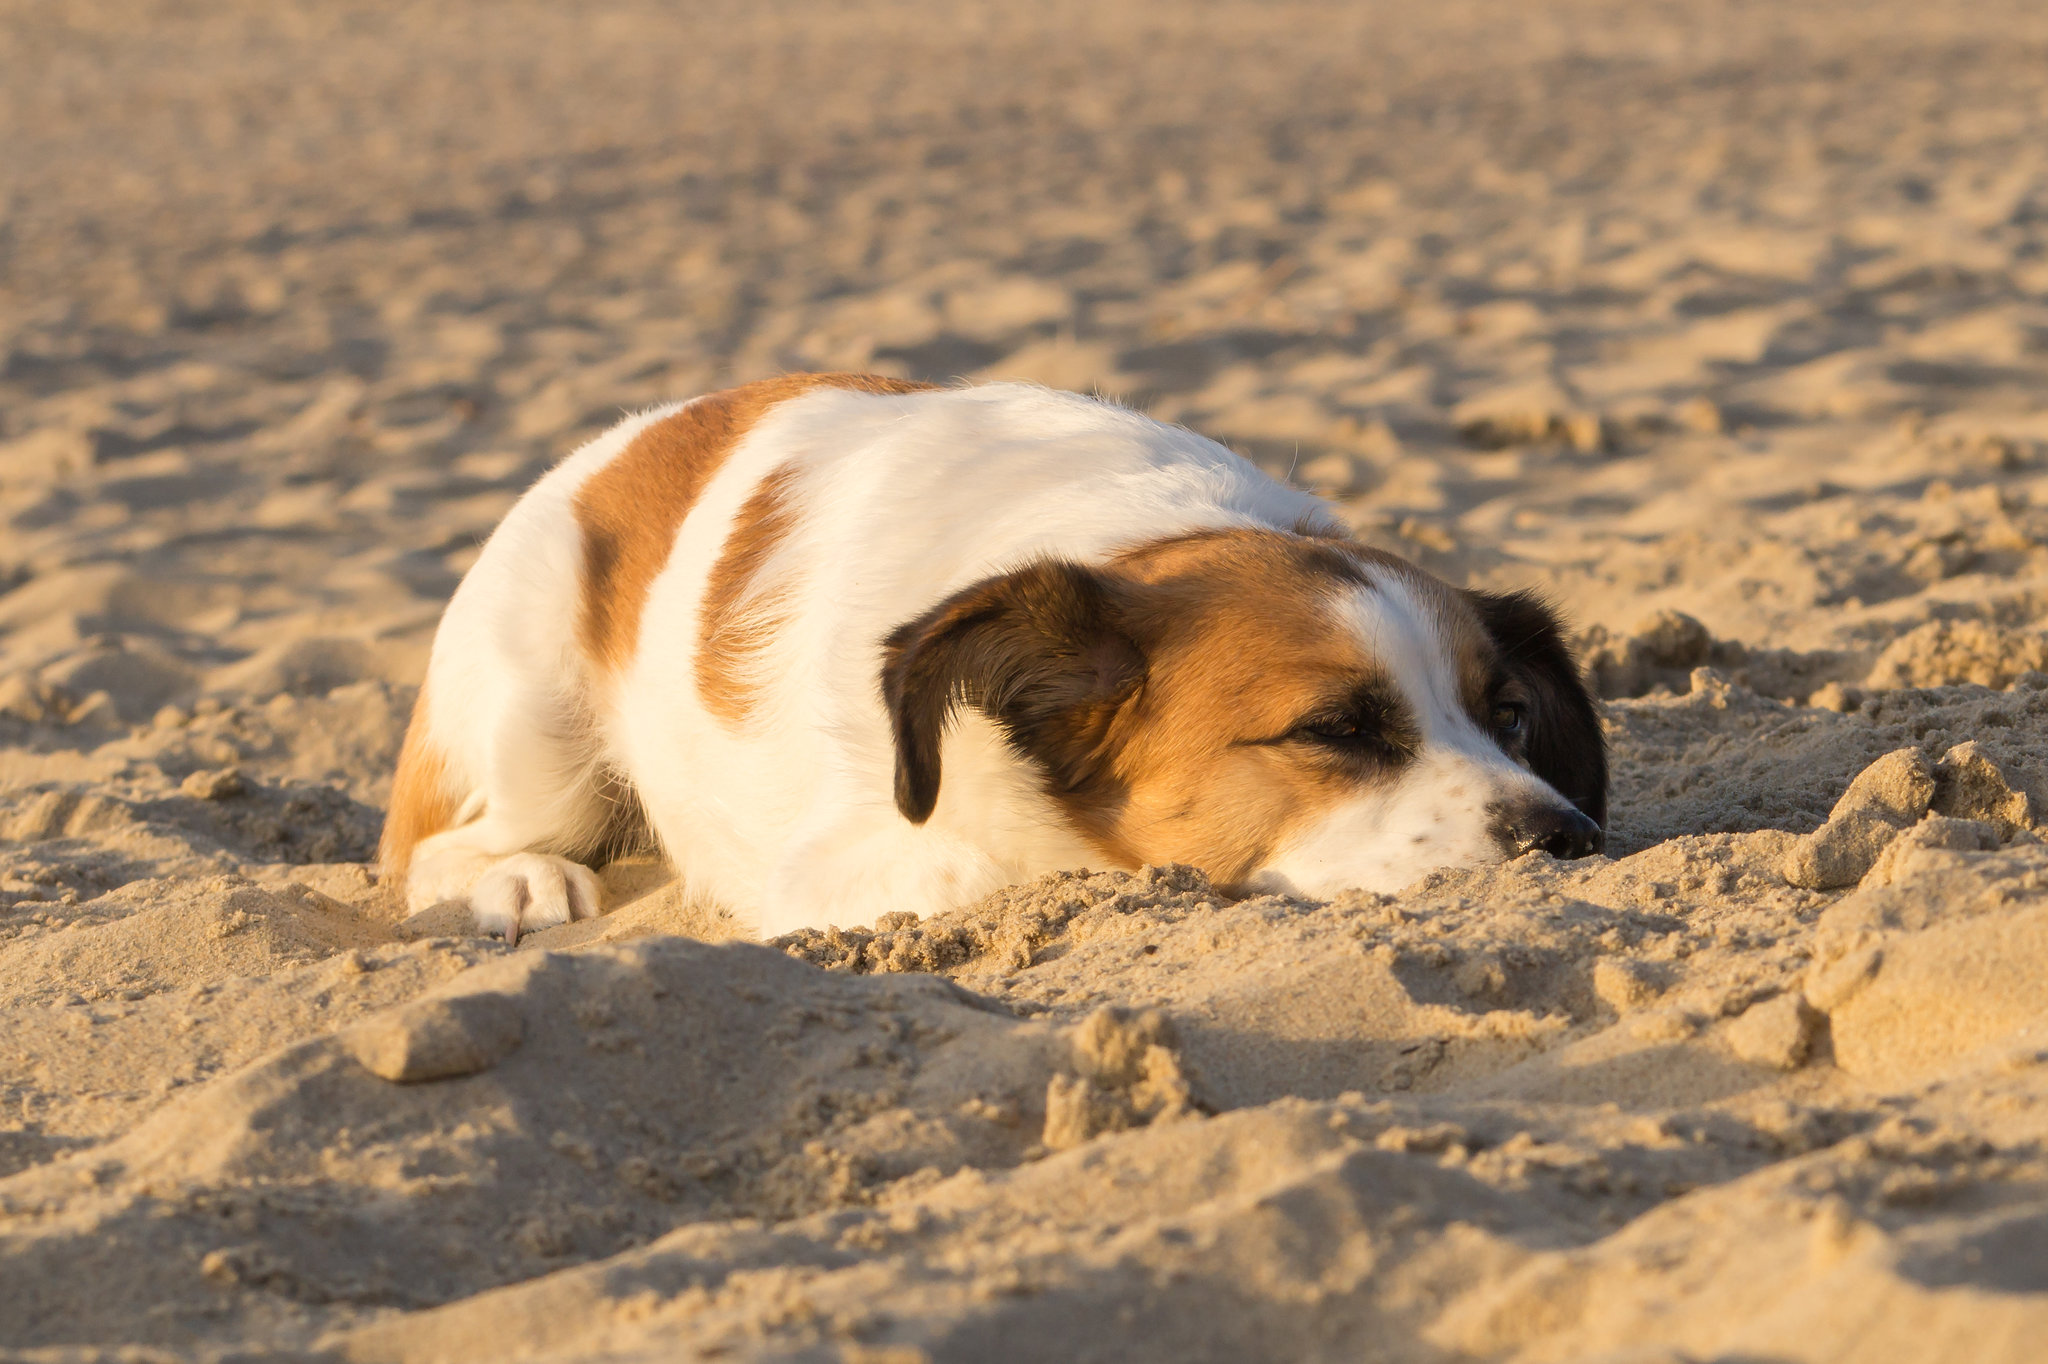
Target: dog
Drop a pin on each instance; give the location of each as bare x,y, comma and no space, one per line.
845,645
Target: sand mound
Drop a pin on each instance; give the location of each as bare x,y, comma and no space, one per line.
159,935
443,1148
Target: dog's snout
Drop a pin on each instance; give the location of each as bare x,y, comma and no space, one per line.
1559,830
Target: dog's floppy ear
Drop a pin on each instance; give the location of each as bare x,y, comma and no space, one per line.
1565,746
1039,650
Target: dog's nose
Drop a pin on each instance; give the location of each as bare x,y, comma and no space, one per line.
1559,830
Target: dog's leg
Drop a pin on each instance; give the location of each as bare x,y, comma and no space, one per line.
539,792
502,780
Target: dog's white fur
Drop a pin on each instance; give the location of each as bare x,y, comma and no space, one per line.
788,816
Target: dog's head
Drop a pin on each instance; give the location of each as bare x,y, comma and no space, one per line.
1285,712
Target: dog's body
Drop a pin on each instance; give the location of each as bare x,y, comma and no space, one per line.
848,645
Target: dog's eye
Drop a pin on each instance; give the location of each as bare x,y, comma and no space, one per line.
1349,738
1510,718
1360,729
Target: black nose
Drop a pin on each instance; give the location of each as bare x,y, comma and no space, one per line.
1559,830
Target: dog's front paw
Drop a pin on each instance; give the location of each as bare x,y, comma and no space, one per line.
529,891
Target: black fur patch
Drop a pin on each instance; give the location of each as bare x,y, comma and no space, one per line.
1565,745
1041,651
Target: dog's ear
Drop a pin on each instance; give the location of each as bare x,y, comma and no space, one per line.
1565,746
1040,651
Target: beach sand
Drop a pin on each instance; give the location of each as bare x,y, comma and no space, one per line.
1725,324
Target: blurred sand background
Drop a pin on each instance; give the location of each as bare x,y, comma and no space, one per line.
1725,323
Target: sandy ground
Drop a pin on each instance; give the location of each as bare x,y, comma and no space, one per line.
1727,323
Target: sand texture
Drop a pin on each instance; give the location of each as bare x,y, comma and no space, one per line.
1724,323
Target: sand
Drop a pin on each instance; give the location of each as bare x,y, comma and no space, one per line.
1726,324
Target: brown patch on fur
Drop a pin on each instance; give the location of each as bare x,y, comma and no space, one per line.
421,802
731,633
1239,648
630,510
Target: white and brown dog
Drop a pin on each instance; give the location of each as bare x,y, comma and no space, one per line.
845,645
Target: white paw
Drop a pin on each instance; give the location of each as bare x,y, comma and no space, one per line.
529,891
442,874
